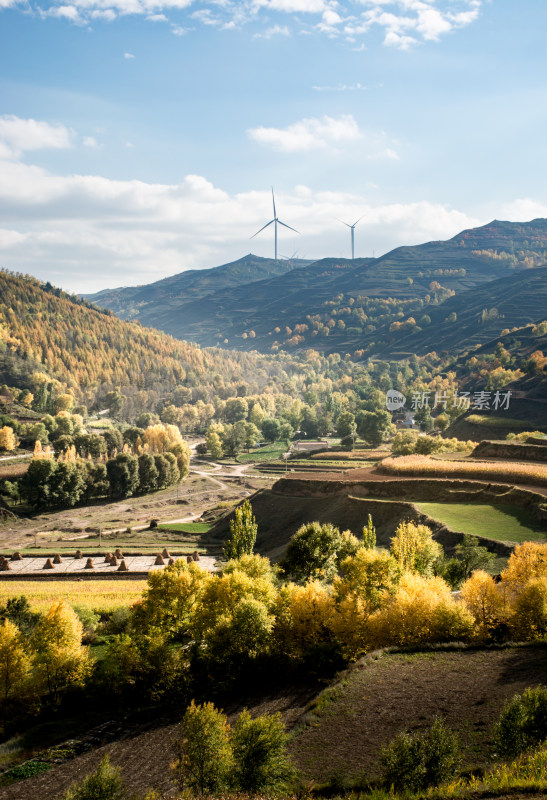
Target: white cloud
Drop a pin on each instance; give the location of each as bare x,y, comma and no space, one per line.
524,208
403,23
86,232
89,141
308,134
18,135
128,55
342,87
275,30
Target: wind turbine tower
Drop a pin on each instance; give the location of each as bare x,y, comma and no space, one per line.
275,221
352,229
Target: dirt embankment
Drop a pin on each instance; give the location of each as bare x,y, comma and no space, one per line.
346,503
510,451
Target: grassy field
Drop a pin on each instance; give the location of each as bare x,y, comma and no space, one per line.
509,472
185,527
503,522
101,594
269,452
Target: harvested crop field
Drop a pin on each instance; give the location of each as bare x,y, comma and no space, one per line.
343,729
377,698
99,594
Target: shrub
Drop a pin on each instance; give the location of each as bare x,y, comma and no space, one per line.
204,752
260,753
417,761
103,784
522,723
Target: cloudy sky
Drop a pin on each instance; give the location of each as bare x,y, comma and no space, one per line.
140,138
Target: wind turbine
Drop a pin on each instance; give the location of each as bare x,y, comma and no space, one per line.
275,222
352,229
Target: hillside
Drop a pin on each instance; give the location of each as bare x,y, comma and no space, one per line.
341,730
339,305
475,316
48,338
147,302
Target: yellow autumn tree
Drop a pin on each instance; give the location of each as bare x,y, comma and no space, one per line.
421,610
528,560
529,617
223,593
303,616
60,659
171,598
14,661
414,548
367,580
485,600
8,439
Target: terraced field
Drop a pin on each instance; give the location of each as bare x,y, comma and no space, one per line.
503,522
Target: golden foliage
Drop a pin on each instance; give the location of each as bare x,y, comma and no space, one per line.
423,465
422,610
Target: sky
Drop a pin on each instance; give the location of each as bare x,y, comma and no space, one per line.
142,138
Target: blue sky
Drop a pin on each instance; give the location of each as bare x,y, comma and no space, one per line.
140,138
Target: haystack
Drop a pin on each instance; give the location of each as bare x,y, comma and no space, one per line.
195,555
159,561
57,559
17,557
4,564
113,561
171,562
48,564
118,553
108,558
189,559
89,564
165,553
79,554
123,567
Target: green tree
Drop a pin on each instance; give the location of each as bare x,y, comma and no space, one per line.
345,425
243,532
103,784
313,551
36,482
473,556
270,429
123,475
372,425
522,723
203,751
148,473
214,444
415,761
260,753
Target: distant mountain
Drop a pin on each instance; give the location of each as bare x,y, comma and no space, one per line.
475,316
365,306
142,302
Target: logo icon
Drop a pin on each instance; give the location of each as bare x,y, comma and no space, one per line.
394,400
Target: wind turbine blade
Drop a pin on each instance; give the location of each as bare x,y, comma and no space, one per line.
273,201
264,226
287,226
359,220
343,223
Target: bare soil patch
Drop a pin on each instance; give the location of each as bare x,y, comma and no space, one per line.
378,698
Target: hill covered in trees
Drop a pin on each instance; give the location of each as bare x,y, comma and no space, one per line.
367,306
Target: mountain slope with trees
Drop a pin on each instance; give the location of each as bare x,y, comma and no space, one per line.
340,305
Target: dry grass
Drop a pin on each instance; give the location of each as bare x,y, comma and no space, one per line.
508,472
101,594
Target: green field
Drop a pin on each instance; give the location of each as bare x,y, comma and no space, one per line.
269,452
498,422
185,527
503,522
